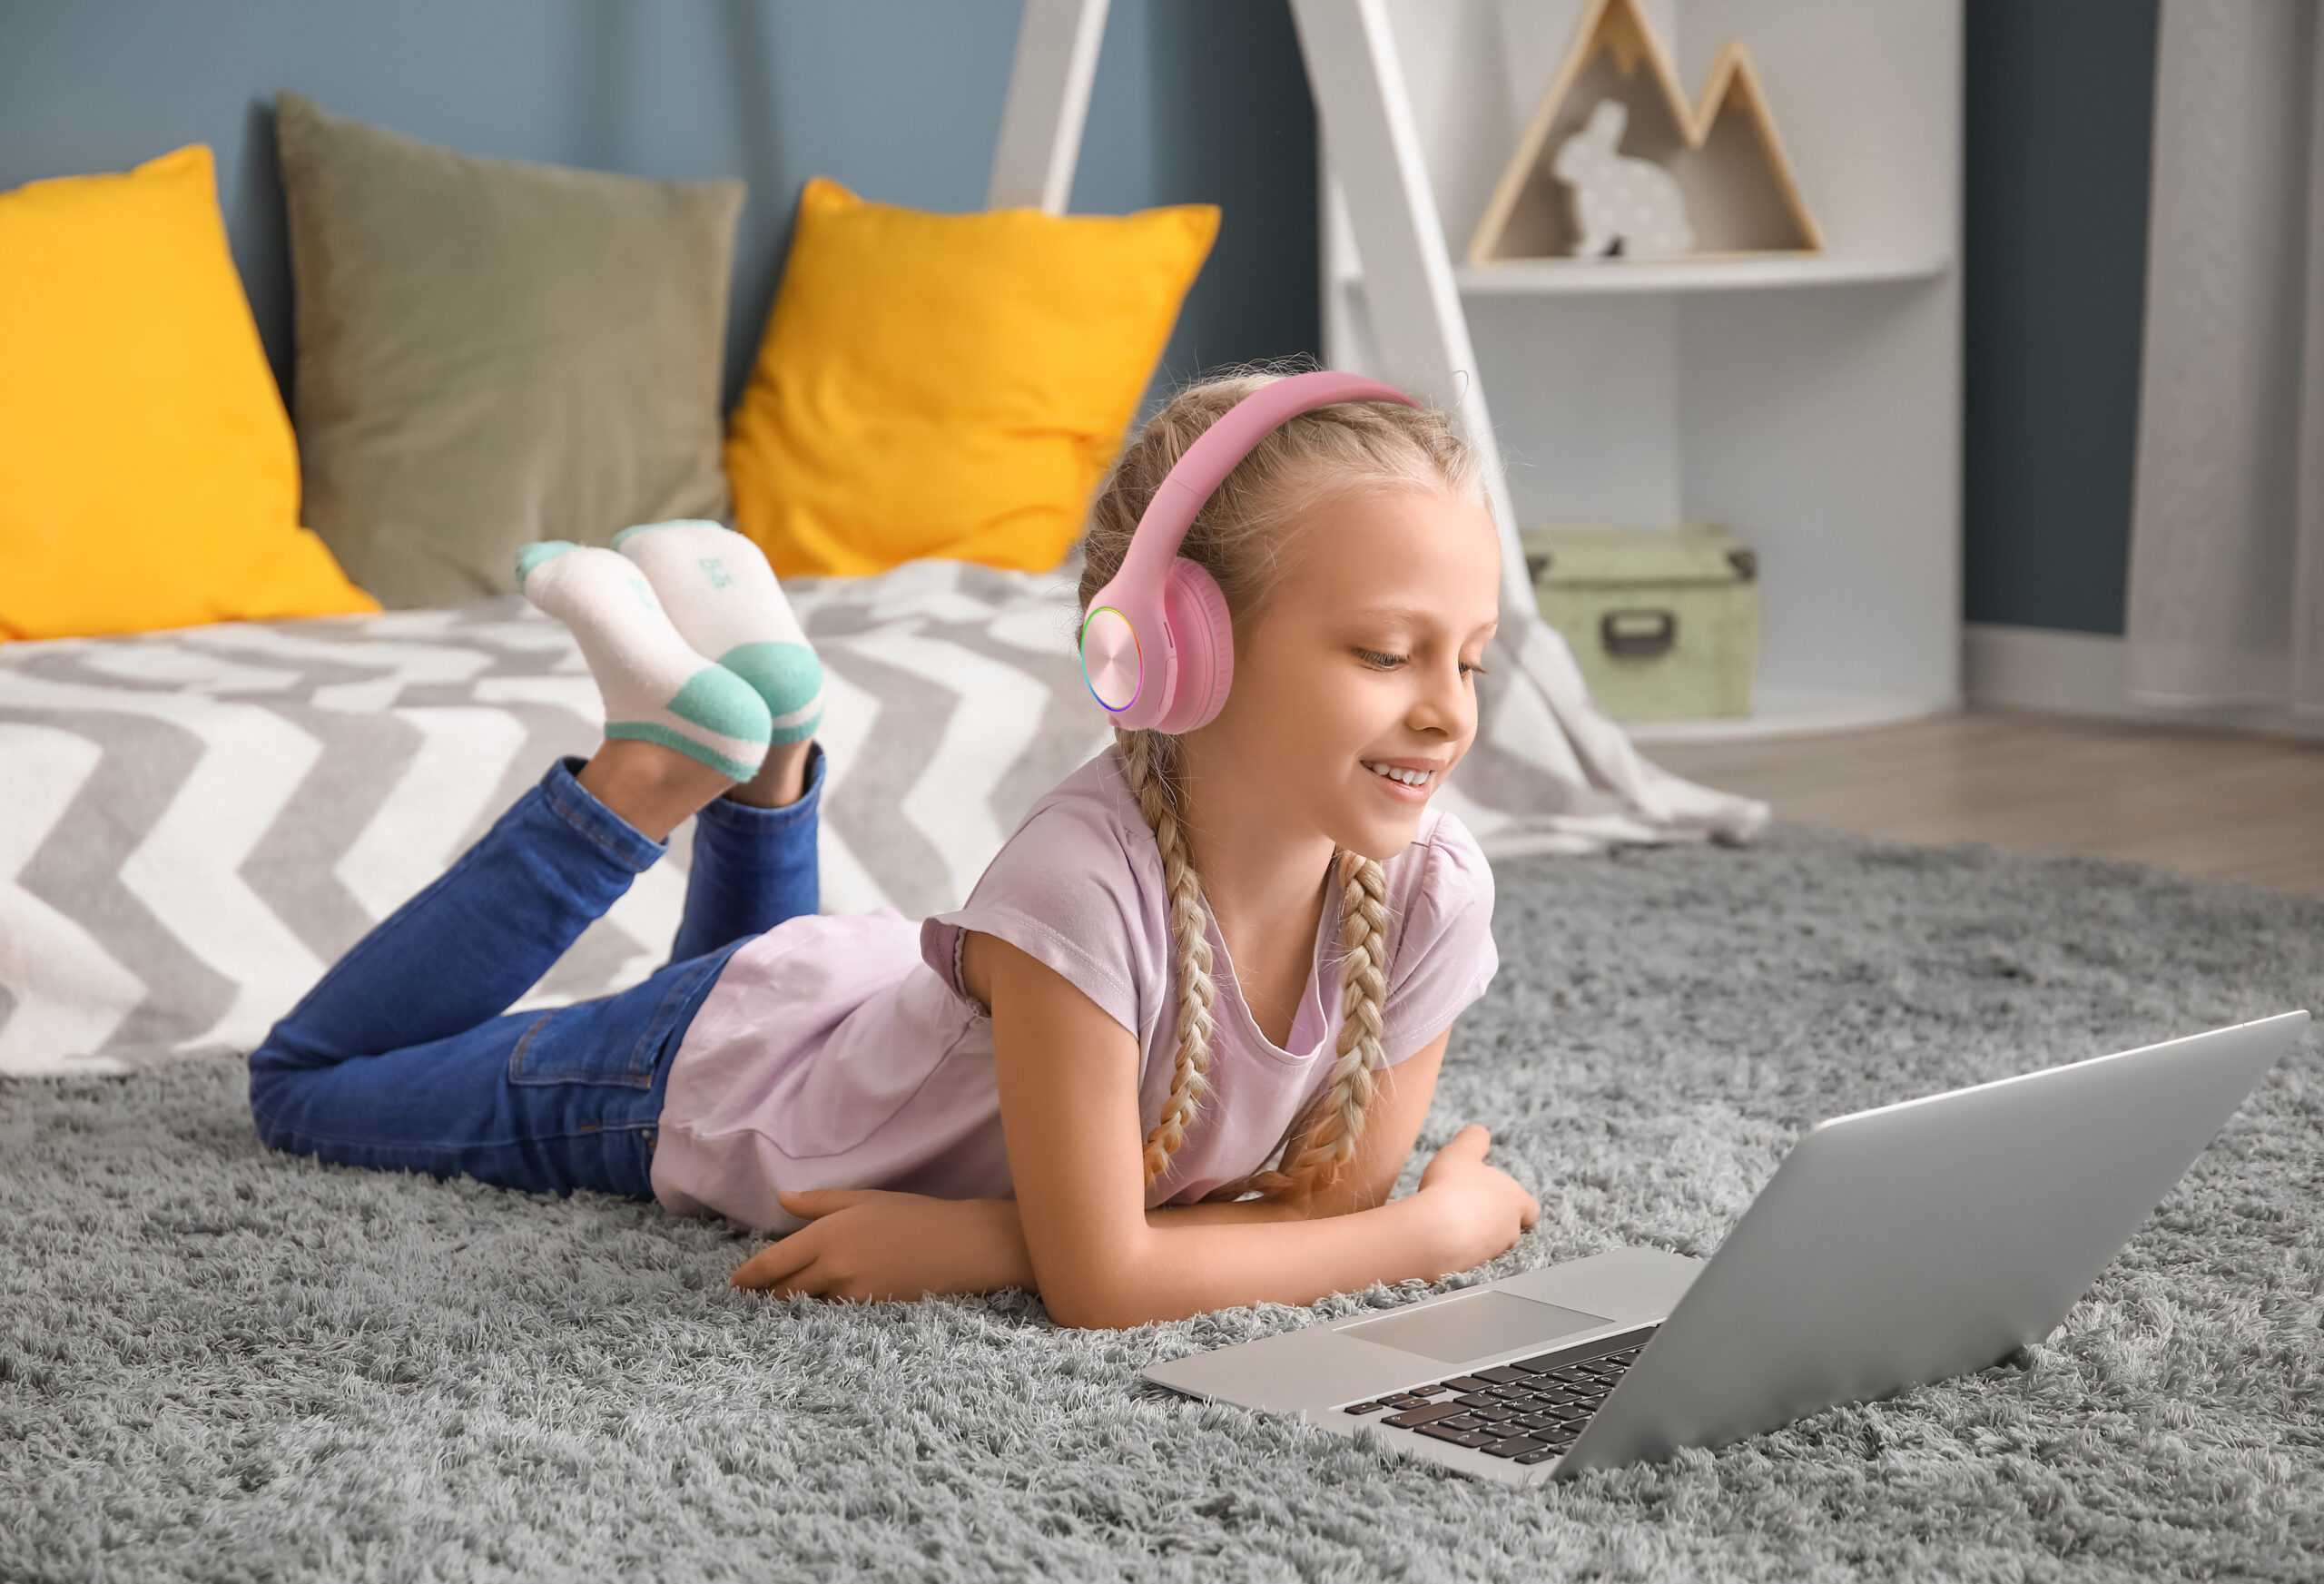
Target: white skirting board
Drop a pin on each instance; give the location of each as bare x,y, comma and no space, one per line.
2080,673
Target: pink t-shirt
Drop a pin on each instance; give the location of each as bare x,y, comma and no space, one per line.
840,1052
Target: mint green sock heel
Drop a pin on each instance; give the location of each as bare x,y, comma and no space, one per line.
788,678
717,701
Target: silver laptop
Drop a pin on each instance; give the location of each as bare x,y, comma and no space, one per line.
1893,1247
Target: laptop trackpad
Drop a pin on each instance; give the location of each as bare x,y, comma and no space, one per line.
1488,1322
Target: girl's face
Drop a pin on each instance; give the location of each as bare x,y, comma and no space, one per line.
1354,692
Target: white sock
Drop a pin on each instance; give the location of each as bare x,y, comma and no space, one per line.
723,599
656,688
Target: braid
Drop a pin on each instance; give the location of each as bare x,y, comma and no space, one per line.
1149,780
1364,991
1328,1135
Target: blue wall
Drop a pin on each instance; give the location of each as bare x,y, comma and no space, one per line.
2058,121
900,99
1196,99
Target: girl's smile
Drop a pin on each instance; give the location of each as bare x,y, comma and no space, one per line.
1408,780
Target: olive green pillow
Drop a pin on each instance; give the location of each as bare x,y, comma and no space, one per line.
492,352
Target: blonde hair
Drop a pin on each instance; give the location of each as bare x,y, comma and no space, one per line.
1238,539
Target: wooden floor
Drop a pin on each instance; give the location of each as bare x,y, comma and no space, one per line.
2222,805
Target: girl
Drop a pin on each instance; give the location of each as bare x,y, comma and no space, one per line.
1111,1076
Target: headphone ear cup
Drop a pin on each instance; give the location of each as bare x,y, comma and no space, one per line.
1204,640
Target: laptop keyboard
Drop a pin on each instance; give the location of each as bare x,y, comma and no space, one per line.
1529,1411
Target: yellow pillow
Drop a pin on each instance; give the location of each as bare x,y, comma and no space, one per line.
949,385
148,473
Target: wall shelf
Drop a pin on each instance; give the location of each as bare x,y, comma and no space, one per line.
1546,277
1809,401
1606,278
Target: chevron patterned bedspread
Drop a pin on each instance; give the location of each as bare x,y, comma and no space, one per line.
194,823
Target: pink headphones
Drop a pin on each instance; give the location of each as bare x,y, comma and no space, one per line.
1157,648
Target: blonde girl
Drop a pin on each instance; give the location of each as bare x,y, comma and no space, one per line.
1173,1054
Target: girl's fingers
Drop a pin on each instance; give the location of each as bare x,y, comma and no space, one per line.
1465,1149
807,1204
787,1266
809,1283
1470,1142
818,1279
777,1260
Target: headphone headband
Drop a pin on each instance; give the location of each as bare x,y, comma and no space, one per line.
1157,648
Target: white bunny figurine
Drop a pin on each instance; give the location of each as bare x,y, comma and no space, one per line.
1618,199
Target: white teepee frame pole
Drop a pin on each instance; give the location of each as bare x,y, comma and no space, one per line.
1417,321
1358,85
1049,101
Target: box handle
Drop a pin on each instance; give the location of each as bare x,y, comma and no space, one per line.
1638,634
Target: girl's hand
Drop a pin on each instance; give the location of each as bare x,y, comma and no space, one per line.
1481,1209
864,1244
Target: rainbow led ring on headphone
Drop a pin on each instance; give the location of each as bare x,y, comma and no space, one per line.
1157,648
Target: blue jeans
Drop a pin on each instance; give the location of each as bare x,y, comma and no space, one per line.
401,1058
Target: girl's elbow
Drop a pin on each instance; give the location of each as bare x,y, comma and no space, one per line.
1087,1306
1075,1316
1102,1295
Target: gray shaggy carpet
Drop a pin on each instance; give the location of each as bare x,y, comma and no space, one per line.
221,1364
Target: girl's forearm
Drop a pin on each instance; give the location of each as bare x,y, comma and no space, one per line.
1196,1258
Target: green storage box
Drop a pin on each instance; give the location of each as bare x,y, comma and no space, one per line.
1664,621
